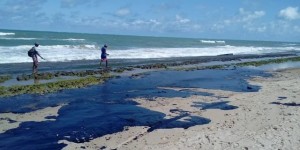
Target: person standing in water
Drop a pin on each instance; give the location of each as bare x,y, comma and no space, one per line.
33,53
104,55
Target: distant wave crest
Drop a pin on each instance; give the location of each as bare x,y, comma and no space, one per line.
71,39
212,42
6,33
24,38
5,38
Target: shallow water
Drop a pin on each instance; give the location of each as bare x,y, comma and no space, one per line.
278,66
104,109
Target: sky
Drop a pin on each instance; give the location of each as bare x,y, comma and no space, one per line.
268,20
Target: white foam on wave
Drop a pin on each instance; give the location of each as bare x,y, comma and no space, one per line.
71,39
221,42
6,33
290,44
212,42
23,38
5,38
18,54
188,52
56,53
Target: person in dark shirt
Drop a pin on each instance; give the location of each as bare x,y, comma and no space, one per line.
35,53
104,55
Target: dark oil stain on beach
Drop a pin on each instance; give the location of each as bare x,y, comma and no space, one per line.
215,105
281,98
105,109
286,104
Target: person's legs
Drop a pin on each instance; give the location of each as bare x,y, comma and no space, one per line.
33,68
35,65
102,59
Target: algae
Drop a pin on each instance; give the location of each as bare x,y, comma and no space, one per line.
52,86
51,75
4,78
270,61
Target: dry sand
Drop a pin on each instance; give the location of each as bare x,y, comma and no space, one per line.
13,120
255,124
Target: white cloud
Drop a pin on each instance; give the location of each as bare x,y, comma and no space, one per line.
180,19
151,24
23,6
69,3
123,12
244,19
283,27
154,22
297,28
76,3
217,27
256,29
249,16
139,22
227,22
289,13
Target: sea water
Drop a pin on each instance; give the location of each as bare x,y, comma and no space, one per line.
62,47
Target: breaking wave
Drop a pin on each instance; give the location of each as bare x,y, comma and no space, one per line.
6,33
212,42
61,53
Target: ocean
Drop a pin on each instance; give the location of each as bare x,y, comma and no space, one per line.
66,47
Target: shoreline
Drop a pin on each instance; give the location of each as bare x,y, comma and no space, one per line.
44,82
19,68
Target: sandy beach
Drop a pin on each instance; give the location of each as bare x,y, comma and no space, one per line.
267,119
180,107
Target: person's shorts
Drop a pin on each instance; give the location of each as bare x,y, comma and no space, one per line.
103,57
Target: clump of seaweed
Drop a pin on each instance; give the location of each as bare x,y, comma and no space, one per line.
122,69
51,75
4,78
202,68
52,86
270,61
153,66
